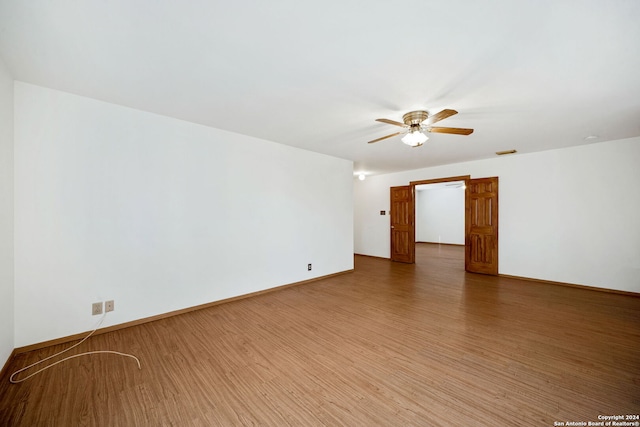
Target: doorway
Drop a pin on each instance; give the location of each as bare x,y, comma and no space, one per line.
481,222
440,213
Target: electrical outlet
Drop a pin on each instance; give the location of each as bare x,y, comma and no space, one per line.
96,308
108,306
308,267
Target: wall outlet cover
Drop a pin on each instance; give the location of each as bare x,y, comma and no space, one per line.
96,308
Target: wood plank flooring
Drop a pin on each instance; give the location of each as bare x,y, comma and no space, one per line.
389,344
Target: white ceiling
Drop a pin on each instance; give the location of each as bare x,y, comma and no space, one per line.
531,75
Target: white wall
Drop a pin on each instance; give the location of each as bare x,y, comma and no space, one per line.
6,215
160,214
440,215
569,215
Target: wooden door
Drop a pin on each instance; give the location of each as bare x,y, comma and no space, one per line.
403,243
481,254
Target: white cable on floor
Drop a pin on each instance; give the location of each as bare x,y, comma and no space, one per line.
70,357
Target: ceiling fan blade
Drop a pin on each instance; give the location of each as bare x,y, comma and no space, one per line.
457,131
384,137
440,116
391,122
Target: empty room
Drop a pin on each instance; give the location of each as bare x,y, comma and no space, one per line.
321,213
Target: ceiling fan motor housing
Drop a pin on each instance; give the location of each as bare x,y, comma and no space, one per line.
415,117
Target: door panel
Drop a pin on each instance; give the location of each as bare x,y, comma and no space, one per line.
481,255
402,224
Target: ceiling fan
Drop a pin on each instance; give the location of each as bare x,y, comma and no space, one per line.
416,123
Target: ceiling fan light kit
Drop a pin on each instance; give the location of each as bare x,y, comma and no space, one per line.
418,123
415,138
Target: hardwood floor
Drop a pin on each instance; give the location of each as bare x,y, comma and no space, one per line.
389,344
